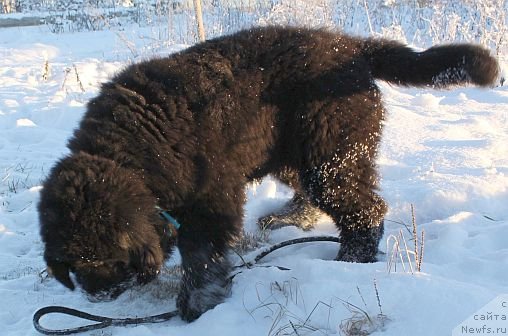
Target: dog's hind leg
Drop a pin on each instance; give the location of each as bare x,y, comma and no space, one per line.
298,211
345,188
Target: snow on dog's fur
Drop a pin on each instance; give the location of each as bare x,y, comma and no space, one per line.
187,132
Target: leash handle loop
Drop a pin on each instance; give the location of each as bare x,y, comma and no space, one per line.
103,321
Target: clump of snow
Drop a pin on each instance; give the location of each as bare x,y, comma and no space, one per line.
25,123
427,100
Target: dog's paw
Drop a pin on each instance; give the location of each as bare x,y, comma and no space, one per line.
268,222
276,221
193,302
186,312
358,255
297,212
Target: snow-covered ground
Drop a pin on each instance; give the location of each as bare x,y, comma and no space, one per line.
445,152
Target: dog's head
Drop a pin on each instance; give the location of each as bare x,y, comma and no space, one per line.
99,222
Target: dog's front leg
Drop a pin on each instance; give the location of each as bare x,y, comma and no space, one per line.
203,246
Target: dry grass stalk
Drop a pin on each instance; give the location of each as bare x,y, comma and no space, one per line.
78,79
279,304
405,255
45,73
248,241
377,297
361,323
415,232
420,259
398,253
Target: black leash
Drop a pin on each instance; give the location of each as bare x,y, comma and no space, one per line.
292,242
104,322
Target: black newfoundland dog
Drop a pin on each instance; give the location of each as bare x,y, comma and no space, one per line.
185,133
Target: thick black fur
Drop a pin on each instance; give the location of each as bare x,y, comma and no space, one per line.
187,132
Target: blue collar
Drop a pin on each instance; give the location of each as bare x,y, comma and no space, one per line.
169,219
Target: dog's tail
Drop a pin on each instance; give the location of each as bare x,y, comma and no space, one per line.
439,66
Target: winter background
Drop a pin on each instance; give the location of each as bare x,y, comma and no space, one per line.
445,153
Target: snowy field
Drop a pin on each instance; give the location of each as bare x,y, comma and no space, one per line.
445,152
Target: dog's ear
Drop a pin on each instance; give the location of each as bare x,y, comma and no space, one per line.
61,272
